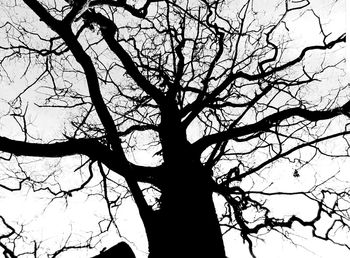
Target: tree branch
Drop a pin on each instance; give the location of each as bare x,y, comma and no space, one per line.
108,30
269,122
195,108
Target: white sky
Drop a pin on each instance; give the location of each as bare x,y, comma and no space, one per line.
348,33
83,212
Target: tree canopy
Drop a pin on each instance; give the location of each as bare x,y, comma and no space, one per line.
210,120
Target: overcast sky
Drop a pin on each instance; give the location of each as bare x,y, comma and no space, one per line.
30,209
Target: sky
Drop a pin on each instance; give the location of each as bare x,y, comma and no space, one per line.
81,211
348,33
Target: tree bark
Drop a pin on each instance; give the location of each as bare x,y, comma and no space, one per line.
186,224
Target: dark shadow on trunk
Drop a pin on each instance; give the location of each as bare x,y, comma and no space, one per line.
120,250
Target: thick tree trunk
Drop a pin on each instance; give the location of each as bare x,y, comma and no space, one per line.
187,224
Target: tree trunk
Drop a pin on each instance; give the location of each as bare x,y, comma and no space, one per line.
186,224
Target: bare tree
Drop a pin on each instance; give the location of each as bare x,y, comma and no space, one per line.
225,98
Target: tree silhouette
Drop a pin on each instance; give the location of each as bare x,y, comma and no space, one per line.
121,250
202,111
